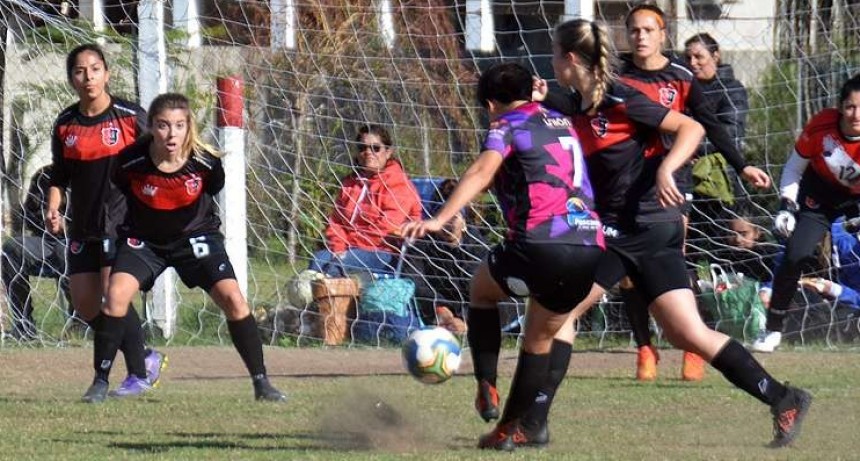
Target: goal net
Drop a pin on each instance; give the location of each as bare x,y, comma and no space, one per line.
316,71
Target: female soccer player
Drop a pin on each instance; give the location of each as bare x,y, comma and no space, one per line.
170,178
668,82
637,199
533,159
86,140
819,183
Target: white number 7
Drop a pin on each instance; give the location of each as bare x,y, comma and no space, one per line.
572,144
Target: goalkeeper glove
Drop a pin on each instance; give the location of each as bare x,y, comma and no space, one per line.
783,223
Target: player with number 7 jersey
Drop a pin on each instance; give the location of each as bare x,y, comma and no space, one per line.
532,158
169,178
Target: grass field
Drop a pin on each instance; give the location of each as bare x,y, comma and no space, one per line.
204,410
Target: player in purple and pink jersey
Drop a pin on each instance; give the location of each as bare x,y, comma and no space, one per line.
532,158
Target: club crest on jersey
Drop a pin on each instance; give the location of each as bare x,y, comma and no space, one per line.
71,140
110,136
76,247
192,186
134,243
600,125
667,96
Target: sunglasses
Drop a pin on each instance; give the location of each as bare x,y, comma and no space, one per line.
375,148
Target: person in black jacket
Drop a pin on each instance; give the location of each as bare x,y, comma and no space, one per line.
728,100
39,254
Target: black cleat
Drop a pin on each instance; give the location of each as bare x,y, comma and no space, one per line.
97,393
264,391
487,401
788,416
500,438
526,436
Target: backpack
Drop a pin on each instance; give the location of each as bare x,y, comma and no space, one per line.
385,312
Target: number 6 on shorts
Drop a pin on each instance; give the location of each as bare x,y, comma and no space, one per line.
199,247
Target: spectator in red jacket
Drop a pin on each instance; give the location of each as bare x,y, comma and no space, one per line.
374,201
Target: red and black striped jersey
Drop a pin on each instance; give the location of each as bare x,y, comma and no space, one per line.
675,87
84,151
615,141
833,175
164,207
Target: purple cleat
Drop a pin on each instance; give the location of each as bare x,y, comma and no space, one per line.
155,363
132,386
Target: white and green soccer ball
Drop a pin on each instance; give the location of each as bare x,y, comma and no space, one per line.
431,355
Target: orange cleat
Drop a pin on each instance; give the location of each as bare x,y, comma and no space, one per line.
693,368
487,401
646,363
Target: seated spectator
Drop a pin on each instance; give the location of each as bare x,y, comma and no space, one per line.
39,254
748,250
846,261
374,201
442,264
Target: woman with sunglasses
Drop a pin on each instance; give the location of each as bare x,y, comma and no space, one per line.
374,201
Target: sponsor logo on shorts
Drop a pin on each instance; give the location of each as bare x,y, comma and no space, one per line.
76,247
517,286
222,267
134,243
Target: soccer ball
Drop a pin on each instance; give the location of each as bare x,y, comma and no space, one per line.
431,355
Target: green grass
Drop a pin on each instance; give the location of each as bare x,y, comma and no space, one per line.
204,410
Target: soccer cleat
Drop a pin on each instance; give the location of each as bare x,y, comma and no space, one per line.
767,341
693,368
132,386
646,363
264,391
155,363
788,416
97,392
487,401
525,436
500,438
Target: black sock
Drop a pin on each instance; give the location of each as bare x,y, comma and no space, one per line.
108,336
742,370
484,332
775,319
246,339
637,314
132,345
559,361
532,371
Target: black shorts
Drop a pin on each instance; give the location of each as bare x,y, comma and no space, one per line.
200,261
651,255
556,276
90,255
